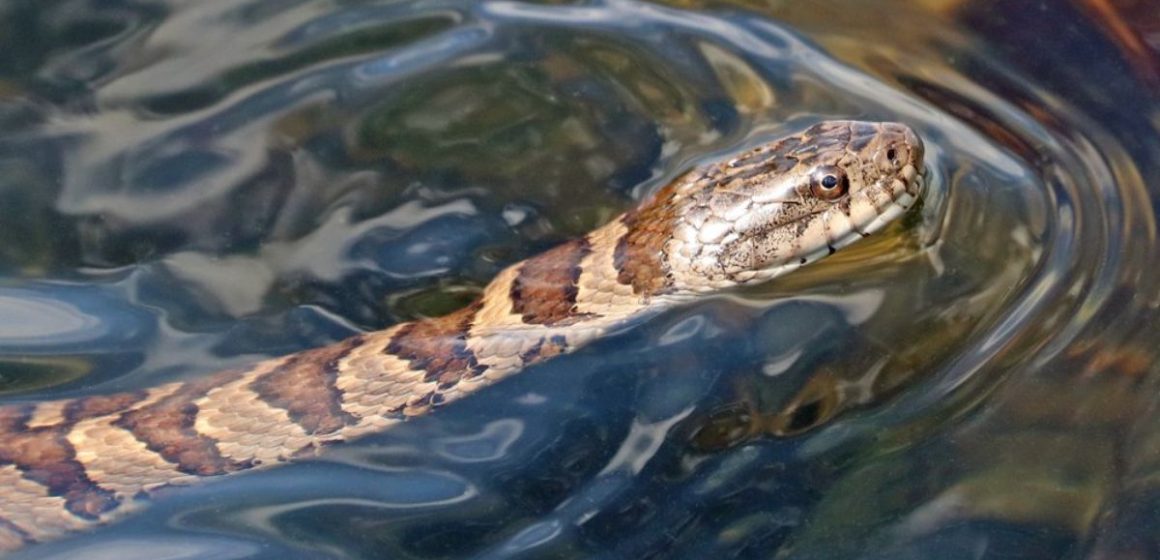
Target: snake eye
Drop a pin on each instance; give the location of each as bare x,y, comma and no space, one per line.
829,183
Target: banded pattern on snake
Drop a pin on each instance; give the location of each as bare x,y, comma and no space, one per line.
70,465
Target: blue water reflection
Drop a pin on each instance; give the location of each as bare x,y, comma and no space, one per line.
189,187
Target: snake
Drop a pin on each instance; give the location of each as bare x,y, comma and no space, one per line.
71,465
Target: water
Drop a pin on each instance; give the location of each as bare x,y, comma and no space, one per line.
189,186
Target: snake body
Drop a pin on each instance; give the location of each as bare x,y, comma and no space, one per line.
69,465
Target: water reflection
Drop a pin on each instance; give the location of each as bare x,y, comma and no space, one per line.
187,187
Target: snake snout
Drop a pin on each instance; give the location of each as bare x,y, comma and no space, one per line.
900,148
915,151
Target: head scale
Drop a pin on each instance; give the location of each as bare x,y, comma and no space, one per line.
778,206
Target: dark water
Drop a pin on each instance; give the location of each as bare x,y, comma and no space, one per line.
188,186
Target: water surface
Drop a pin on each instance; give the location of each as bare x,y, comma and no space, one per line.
190,186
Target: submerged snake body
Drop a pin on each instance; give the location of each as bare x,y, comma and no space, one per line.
69,465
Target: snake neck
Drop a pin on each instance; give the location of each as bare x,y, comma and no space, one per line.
550,304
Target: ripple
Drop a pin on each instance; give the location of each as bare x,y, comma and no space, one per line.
29,321
194,185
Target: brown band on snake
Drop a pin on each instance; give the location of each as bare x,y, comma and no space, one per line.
70,464
639,257
45,456
166,427
439,347
544,292
99,405
304,386
13,419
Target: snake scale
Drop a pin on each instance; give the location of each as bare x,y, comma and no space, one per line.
70,465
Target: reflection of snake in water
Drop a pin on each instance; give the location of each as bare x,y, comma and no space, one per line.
68,465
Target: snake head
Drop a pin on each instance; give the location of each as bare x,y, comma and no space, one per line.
780,205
